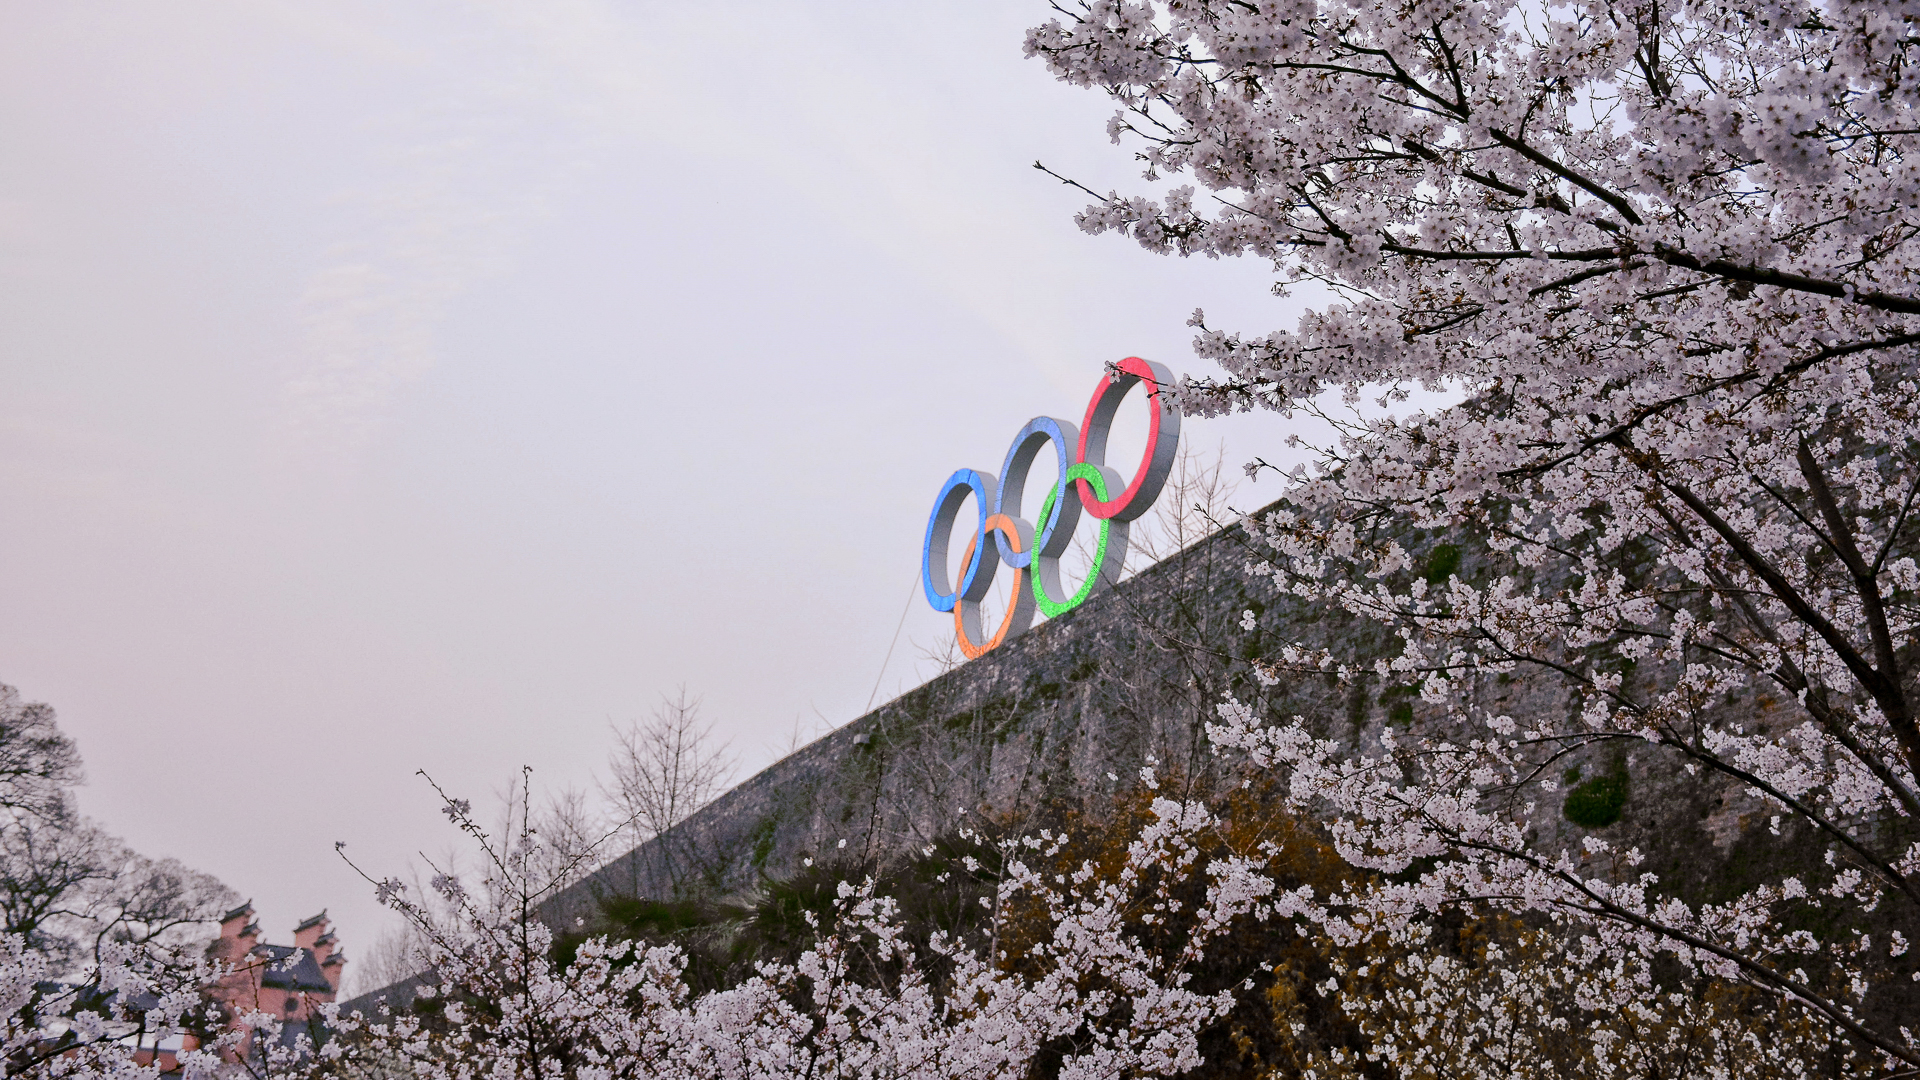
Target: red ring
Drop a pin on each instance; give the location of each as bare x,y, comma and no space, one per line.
1139,371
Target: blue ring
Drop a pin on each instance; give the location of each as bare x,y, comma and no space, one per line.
974,584
1013,474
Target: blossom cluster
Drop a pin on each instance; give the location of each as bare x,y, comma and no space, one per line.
863,1000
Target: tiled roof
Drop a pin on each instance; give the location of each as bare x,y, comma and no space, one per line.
312,921
239,912
288,968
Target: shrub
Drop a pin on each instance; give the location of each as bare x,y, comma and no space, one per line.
1597,803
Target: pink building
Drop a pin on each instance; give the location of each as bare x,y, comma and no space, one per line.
285,981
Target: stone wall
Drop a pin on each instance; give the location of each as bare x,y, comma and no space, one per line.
1047,719
1064,717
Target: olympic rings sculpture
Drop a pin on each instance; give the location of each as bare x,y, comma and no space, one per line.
1084,483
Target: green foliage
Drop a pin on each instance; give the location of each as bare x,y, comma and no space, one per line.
763,838
1399,703
1598,802
1442,562
725,937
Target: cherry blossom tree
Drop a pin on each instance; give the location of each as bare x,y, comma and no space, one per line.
862,1001
1163,929
1663,254
101,948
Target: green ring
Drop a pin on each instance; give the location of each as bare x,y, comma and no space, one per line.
1079,470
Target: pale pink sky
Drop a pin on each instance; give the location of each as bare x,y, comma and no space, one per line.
400,386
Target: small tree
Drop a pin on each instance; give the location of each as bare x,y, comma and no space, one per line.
661,770
38,763
396,955
1195,504
99,945
66,886
1666,254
